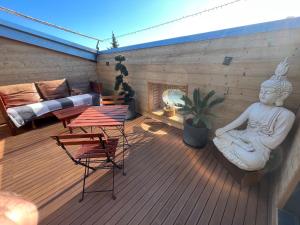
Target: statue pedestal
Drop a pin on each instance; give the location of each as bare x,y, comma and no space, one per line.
244,178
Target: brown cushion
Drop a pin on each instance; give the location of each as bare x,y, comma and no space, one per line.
53,89
19,94
79,87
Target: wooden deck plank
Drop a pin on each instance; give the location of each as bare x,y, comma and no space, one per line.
168,206
251,207
188,207
140,211
262,205
207,173
240,211
200,205
181,165
165,214
167,182
222,202
229,212
140,188
199,168
151,204
61,200
212,201
99,206
68,209
120,181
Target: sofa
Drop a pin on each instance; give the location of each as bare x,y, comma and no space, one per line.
24,103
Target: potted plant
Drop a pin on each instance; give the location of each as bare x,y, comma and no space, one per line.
169,110
126,89
198,117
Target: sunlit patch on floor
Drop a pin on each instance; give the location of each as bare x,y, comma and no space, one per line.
153,127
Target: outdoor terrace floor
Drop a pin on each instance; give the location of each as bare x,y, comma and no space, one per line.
166,183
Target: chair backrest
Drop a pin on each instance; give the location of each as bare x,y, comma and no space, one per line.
64,140
79,139
112,100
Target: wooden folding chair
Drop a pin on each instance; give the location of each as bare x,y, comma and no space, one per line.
94,152
112,100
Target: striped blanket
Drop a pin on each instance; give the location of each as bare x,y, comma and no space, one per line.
20,115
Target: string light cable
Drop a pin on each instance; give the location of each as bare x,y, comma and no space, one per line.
175,20
13,12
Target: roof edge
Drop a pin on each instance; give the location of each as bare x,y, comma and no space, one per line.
23,34
290,23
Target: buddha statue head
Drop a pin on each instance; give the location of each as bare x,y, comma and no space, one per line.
276,89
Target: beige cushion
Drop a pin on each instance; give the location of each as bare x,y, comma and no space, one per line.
53,89
19,94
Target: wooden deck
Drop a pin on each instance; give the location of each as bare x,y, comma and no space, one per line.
166,183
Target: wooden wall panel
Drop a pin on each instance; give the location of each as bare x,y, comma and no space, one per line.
199,64
23,63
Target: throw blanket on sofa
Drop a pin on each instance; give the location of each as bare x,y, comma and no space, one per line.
26,113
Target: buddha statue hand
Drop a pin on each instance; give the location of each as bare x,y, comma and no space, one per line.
242,142
245,144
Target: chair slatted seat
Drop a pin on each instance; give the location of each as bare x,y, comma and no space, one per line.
94,150
112,100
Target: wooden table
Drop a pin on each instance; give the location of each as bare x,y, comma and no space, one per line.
65,115
103,116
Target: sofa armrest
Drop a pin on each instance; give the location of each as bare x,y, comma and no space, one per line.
3,109
8,122
96,87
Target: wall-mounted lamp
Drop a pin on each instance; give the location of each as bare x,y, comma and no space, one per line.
227,60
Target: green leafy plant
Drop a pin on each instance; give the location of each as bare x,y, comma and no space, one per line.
126,89
199,108
114,43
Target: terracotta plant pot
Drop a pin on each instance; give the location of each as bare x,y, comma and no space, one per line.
169,112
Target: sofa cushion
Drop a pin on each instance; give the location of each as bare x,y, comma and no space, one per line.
53,89
22,114
19,94
79,87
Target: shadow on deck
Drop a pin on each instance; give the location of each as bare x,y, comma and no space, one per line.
166,183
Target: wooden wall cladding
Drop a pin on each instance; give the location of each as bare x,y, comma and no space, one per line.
199,65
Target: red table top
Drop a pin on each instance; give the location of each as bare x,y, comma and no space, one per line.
112,115
69,112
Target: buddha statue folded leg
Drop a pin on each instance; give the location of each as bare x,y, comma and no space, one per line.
246,160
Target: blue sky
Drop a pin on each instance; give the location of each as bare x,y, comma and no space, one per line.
99,18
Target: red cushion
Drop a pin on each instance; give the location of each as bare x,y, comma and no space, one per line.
53,89
79,87
19,94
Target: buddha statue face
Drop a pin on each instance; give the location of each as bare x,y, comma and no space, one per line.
274,92
276,89
268,95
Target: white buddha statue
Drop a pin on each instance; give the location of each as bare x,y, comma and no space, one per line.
267,125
